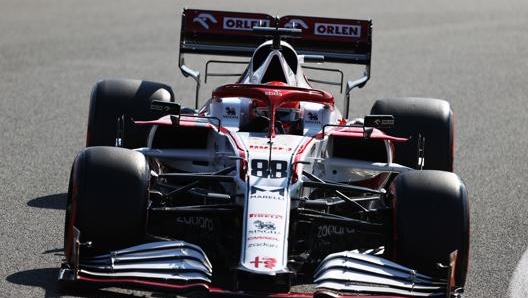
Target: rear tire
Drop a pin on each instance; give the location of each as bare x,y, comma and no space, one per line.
431,220
107,199
111,99
431,118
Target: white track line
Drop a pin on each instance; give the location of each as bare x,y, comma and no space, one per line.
519,282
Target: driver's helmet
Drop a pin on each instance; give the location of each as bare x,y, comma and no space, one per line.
288,114
274,65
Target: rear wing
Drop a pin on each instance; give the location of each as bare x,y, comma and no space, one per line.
231,34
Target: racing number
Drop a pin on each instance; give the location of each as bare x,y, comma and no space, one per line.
271,169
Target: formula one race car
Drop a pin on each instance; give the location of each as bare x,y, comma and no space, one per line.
267,189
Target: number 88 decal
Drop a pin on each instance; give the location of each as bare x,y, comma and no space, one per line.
269,169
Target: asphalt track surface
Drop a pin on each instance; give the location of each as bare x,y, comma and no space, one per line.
472,53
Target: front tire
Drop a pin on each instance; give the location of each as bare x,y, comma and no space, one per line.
107,199
111,99
431,220
427,117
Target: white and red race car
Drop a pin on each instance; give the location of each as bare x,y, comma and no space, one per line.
267,189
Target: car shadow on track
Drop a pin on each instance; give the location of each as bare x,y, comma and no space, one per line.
46,278
54,201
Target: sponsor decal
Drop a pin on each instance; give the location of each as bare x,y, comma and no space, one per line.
263,244
296,23
265,215
230,112
261,225
204,19
277,93
271,194
331,230
263,238
381,122
265,262
265,147
265,227
244,24
160,108
263,231
313,117
201,222
340,30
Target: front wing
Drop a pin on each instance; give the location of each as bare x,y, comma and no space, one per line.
181,267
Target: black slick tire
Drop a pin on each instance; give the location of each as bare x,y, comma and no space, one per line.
110,99
427,117
431,220
107,199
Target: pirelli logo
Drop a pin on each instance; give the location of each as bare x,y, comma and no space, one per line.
341,30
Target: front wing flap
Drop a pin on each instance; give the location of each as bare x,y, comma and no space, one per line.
163,263
350,272
181,267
